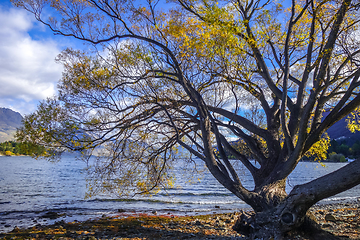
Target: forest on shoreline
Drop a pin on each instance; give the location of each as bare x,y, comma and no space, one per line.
12,148
338,151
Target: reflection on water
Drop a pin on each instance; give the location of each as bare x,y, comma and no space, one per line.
30,188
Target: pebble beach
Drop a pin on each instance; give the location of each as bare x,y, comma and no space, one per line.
340,219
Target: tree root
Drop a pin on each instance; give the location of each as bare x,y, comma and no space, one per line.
248,225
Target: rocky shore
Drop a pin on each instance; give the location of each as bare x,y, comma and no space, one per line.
341,219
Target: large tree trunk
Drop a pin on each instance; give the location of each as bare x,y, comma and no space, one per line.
291,215
266,225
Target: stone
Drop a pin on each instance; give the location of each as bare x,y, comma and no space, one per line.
207,226
51,215
330,218
16,229
326,225
197,222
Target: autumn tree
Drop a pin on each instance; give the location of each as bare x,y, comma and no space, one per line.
196,73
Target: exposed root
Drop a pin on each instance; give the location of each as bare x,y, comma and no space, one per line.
248,225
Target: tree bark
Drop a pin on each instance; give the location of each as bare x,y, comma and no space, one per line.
302,197
291,216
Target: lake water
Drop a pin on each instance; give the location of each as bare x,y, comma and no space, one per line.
30,188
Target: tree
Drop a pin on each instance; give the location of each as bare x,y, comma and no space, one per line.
8,153
22,148
355,149
337,157
343,149
196,74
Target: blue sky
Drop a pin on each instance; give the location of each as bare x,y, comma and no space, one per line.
28,71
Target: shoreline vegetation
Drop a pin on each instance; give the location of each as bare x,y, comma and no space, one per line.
12,148
340,219
3,154
336,152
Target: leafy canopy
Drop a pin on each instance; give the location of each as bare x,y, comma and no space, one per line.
198,74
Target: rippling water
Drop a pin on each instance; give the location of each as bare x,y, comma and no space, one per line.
30,188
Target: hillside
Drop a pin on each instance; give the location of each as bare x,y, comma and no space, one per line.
340,133
9,121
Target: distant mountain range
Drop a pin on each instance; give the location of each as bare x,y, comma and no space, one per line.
340,133
9,121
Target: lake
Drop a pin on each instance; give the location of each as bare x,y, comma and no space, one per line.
31,188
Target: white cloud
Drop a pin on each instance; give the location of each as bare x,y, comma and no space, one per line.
28,72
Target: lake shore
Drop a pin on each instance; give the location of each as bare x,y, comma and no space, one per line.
341,219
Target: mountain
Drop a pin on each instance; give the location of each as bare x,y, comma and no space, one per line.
340,133
9,121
